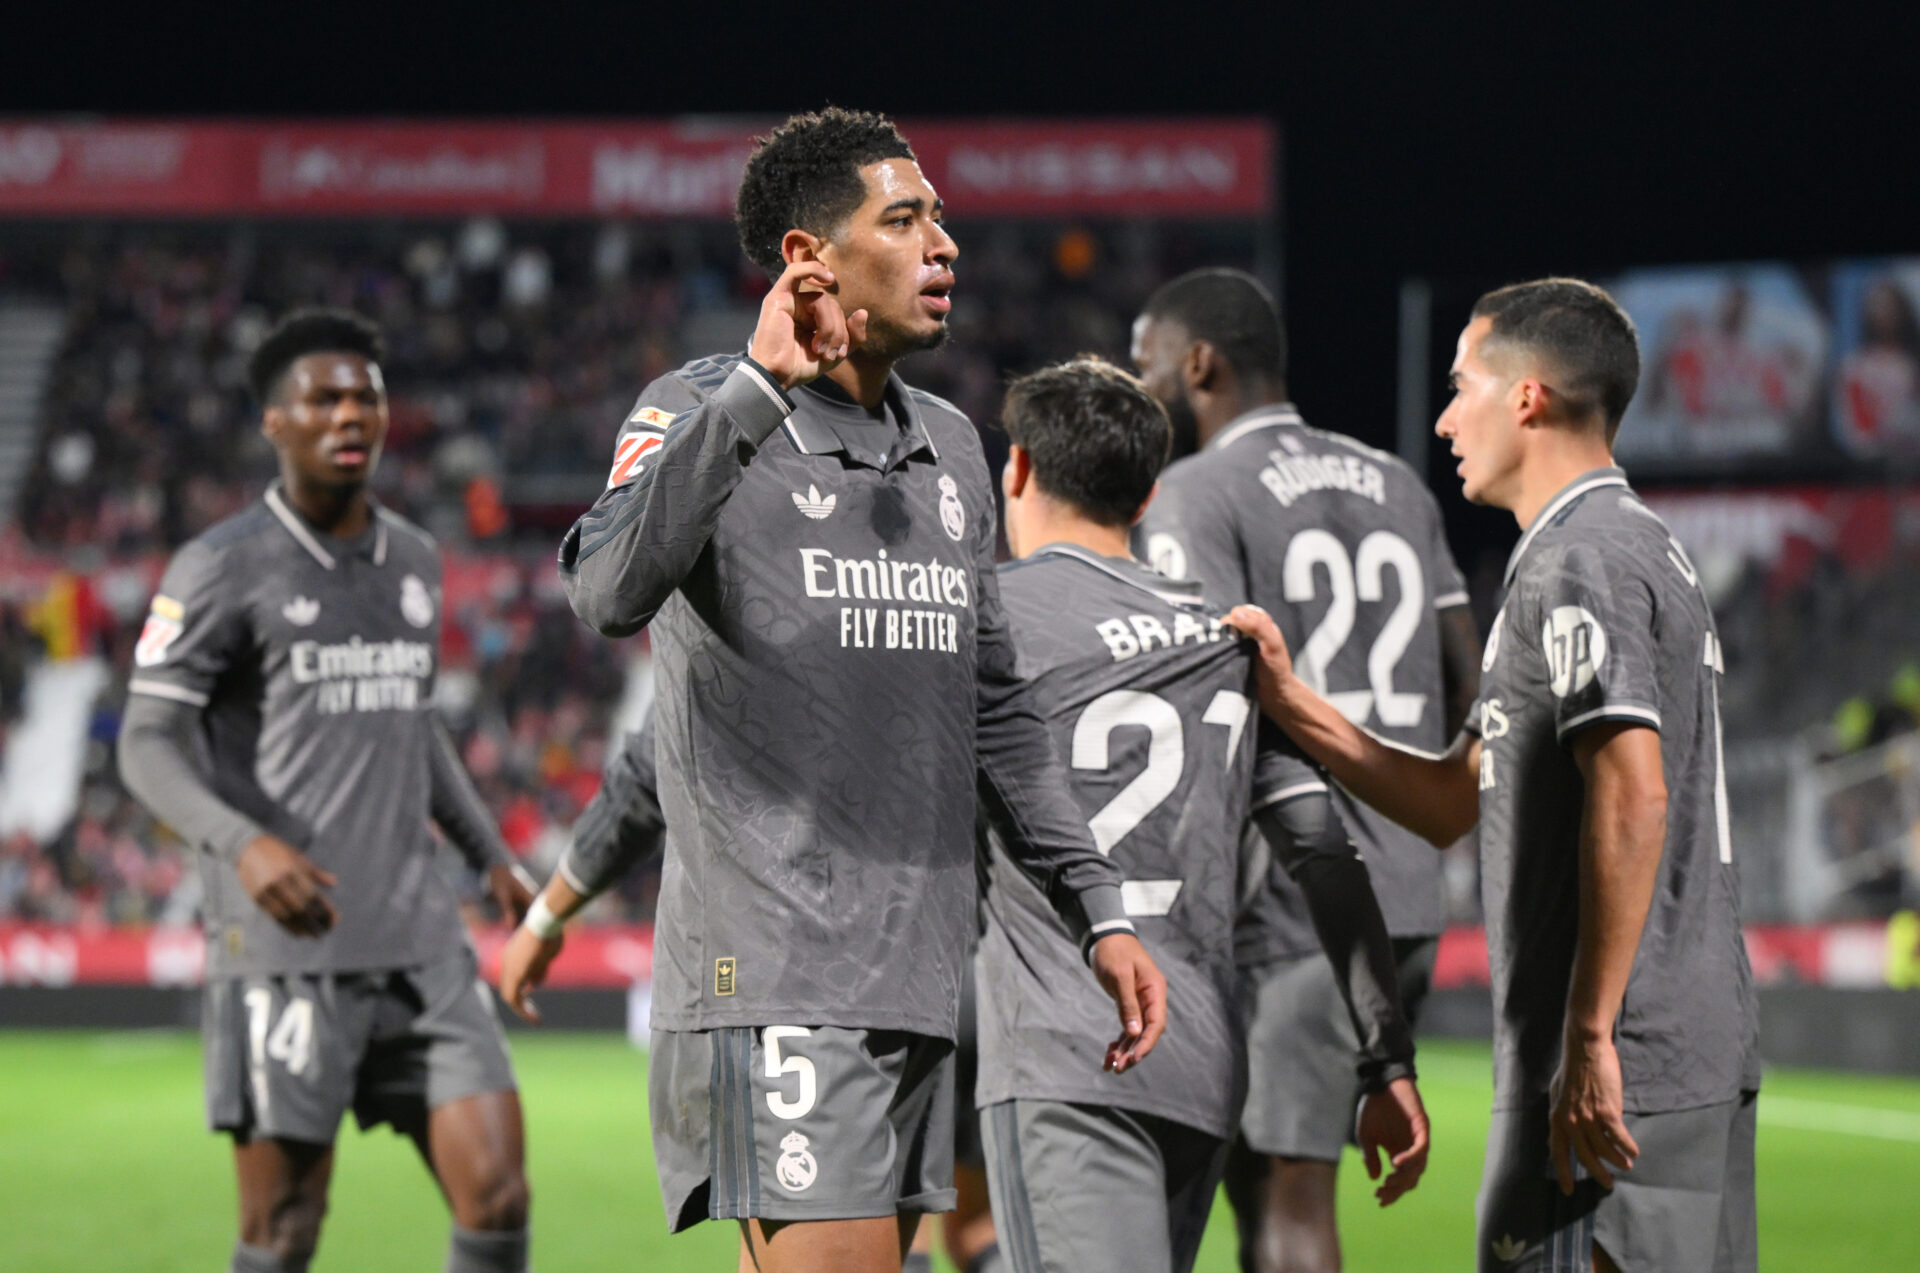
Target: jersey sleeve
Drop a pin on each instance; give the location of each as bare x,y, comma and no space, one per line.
622,825
1595,627
1281,771
1184,537
456,804
677,460
1447,584
195,627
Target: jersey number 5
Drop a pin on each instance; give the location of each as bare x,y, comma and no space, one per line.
1166,760
1350,581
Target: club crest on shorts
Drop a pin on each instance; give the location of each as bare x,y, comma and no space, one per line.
953,514
416,603
796,1169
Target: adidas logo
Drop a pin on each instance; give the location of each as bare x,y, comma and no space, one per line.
813,505
1508,1248
301,611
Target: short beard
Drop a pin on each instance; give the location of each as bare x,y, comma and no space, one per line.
892,342
1186,426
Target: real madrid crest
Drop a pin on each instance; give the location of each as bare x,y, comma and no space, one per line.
416,603
953,514
796,1169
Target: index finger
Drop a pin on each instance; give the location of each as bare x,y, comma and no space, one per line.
1153,1009
1559,1155
799,272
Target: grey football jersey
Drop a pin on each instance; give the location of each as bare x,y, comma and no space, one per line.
312,660
1604,620
1344,546
835,677
1150,699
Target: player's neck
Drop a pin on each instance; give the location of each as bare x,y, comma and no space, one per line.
1057,526
1551,468
864,379
1220,409
340,511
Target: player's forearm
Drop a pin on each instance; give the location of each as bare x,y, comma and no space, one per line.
621,826
1623,829
1309,842
156,752
1436,797
457,807
626,555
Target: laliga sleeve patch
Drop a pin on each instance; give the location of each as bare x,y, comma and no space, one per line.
1575,646
163,628
647,432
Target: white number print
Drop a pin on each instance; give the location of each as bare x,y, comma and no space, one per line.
1349,582
1715,662
289,1042
1166,760
779,1066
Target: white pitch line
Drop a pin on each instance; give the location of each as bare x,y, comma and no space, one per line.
1846,1120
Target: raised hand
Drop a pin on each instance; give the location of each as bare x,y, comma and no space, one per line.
1393,1119
803,333
1138,988
286,884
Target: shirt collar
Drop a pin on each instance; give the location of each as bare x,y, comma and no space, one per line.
813,432
1570,494
1179,592
1258,418
372,544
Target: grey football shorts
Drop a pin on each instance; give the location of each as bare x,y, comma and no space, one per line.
288,1054
1302,1052
1688,1203
1073,1187
801,1123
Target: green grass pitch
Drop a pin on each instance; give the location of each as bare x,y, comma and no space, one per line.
104,1165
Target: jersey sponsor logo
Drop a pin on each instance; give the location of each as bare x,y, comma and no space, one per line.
1165,555
1287,477
1494,723
813,504
1576,647
156,638
1142,633
363,676
416,603
953,515
301,611
723,976
796,1170
883,578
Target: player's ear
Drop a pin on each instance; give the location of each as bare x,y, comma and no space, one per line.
798,245
1141,511
1531,400
1201,365
1016,474
273,421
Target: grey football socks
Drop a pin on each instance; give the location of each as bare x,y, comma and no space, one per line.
260,1259
487,1251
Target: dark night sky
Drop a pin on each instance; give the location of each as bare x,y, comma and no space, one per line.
1452,140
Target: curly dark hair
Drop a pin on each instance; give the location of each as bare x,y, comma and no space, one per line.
805,175
310,331
1096,437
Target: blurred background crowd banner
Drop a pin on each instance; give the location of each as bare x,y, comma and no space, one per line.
531,279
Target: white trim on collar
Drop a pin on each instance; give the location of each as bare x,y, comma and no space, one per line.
1260,419
1557,505
1185,600
296,528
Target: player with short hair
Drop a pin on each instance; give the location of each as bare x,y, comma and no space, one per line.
811,543
1150,698
280,718
1344,546
1625,1028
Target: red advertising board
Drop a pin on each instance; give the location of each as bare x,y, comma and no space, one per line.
1196,168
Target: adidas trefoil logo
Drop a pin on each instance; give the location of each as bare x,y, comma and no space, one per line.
301,611
1508,1248
813,505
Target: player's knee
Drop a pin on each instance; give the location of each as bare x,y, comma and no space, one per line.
291,1232
502,1200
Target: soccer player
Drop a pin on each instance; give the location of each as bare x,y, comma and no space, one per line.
1343,545
1624,1015
279,717
1150,698
812,544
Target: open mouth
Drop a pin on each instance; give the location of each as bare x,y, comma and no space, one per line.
350,457
936,296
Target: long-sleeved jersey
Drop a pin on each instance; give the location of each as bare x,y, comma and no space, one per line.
837,688
283,684
1343,545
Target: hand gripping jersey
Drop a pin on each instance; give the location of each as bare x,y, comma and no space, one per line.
836,691
1343,545
1604,621
1151,701
312,660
